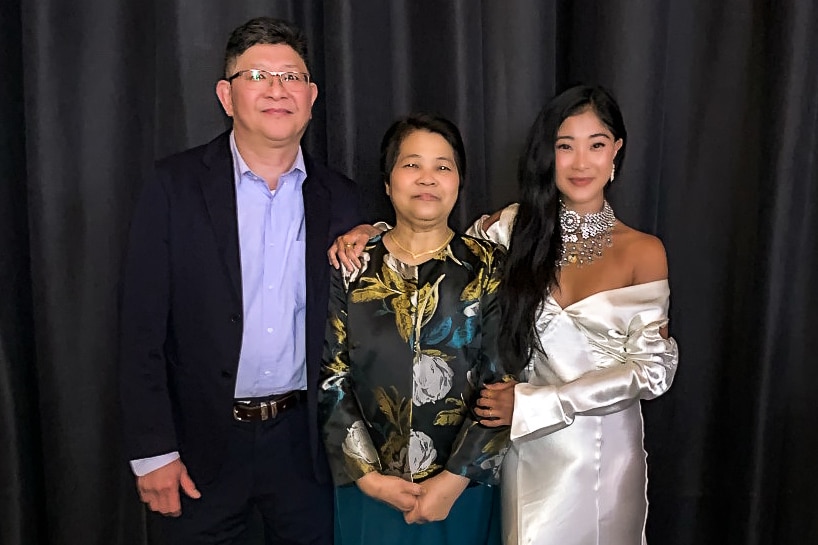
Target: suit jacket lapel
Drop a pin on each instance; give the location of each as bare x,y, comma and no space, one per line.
219,189
317,219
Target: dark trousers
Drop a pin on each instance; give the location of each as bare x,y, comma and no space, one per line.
269,468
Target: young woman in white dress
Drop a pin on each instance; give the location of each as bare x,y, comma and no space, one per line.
585,301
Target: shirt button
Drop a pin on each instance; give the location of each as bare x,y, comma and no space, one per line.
269,330
270,287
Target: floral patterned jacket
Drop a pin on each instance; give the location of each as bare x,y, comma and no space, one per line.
406,350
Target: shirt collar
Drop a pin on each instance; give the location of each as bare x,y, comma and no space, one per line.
241,168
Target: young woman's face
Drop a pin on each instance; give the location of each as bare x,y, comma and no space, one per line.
583,159
424,181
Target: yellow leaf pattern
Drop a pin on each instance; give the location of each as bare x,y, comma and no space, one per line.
428,472
374,290
336,328
451,417
397,411
427,301
484,252
402,306
498,442
474,289
437,354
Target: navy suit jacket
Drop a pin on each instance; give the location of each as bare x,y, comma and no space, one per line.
181,304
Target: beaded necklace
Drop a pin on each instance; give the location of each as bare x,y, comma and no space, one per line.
585,237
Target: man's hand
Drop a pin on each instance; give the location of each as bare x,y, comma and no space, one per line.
160,488
496,404
394,491
347,248
439,494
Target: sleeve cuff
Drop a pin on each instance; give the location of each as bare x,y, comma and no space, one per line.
143,466
537,408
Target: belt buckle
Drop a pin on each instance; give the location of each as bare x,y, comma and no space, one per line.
238,417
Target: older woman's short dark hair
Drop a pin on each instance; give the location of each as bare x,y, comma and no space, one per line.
403,127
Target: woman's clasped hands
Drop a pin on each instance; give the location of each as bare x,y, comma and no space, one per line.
419,503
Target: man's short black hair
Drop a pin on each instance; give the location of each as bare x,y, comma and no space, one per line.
264,30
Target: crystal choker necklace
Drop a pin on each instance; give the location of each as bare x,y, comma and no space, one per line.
584,237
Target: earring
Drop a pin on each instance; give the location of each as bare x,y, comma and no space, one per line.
613,172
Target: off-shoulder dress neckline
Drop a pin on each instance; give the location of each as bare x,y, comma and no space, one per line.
594,295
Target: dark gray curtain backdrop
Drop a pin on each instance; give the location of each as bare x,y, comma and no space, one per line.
721,103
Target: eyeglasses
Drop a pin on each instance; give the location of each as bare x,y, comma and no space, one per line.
291,81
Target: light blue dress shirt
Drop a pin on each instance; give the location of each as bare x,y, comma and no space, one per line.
273,275
271,244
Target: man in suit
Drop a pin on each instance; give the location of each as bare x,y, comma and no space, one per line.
223,310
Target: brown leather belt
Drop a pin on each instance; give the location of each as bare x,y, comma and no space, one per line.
252,411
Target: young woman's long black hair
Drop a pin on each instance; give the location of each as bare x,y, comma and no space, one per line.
536,240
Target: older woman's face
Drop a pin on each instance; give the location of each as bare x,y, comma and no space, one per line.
424,181
583,157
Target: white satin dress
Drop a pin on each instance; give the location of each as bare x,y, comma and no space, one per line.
576,471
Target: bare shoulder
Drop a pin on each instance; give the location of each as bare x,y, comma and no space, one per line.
644,253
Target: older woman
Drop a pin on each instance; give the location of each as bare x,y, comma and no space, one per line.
412,336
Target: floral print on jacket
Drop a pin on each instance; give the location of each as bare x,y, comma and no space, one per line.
406,351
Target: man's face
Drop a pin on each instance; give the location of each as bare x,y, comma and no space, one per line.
266,111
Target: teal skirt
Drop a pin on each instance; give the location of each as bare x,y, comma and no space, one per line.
473,520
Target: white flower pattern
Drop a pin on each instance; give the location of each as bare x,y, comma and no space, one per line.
422,451
358,444
352,275
431,379
494,463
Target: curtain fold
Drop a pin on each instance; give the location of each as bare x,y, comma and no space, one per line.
720,103
88,88
21,483
784,433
